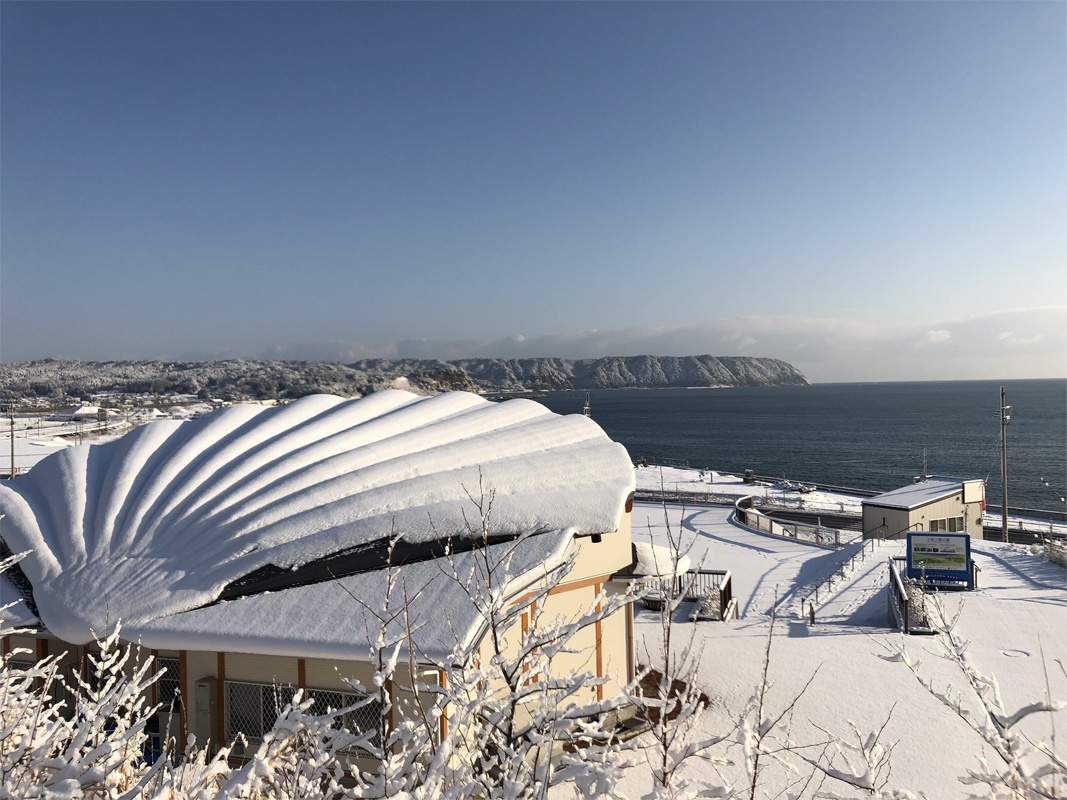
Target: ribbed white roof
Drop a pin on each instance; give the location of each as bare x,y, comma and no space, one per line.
162,520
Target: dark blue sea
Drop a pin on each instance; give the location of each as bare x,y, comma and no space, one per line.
865,435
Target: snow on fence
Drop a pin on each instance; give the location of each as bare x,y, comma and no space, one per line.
801,503
907,606
711,589
746,514
1056,551
706,498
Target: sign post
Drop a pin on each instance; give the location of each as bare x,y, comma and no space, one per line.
940,557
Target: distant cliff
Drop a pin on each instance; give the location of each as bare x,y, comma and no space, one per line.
611,372
236,379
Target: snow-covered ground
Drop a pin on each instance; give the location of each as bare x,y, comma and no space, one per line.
1016,622
38,435
28,452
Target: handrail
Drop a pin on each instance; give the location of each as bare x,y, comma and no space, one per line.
746,514
880,530
896,587
861,554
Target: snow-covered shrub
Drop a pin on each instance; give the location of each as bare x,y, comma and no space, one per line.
916,603
514,723
1055,550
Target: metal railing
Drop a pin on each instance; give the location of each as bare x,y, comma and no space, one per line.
746,514
843,569
709,497
898,598
711,589
705,498
910,610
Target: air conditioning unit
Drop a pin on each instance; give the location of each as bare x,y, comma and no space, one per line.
205,718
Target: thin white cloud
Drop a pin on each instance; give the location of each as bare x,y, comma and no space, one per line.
937,337
342,352
824,349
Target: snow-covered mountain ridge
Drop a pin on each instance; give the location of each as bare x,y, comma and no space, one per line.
241,379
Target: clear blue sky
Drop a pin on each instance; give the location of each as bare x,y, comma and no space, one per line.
867,190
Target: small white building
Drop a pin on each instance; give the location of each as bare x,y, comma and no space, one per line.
81,414
932,503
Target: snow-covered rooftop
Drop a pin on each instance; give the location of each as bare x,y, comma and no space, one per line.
164,519
332,620
15,611
918,494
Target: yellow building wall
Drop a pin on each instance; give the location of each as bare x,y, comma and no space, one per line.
900,521
606,557
895,521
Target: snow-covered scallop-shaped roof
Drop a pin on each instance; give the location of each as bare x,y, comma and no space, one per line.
174,515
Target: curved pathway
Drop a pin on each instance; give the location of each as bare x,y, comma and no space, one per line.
763,566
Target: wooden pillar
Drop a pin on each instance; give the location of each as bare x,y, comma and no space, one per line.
42,653
443,679
155,683
302,674
183,686
390,721
599,645
533,623
631,667
220,699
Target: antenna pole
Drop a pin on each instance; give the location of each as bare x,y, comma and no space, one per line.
1005,418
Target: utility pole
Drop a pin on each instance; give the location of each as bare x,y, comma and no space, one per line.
1005,418
11,411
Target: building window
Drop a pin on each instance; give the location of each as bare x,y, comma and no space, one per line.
253,708
949,525
169,683
361,720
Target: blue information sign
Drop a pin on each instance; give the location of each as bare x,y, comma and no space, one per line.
940,557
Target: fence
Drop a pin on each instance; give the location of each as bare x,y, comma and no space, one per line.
708,497
712,589
705,498
746,514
